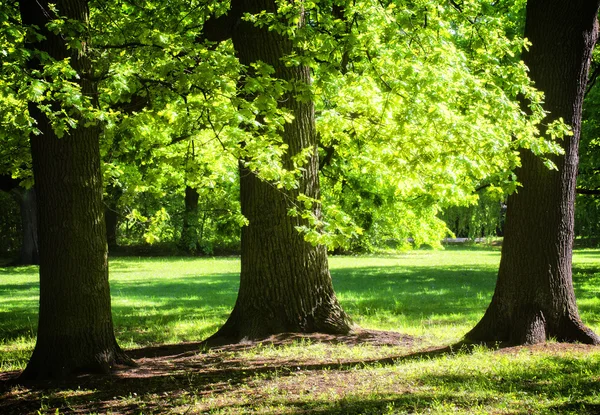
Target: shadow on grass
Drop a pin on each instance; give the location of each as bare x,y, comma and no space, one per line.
174,308
176,369
151,312
440,295
6,270
183,377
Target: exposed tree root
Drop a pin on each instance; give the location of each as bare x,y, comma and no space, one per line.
42,366
529,327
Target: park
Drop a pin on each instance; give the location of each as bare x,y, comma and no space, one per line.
410,307
291,207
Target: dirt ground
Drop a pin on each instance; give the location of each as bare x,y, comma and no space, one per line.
166,373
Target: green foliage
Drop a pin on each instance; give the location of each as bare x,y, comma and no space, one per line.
418,104
14,122
587,212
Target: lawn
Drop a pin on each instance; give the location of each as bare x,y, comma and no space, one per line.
423,300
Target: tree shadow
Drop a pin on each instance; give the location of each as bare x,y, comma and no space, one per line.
158,310
180,370
169,369
446,295
450,294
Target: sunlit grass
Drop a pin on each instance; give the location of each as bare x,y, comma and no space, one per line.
482,382
432,297
438,295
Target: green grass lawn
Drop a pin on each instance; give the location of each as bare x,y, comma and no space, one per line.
435,296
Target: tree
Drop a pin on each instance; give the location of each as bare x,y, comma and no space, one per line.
424,115
534,298
587,204
28,252
75,330
285,285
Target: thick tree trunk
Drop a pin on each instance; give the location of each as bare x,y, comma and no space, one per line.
75,329
285,285
189,241
534,298
29,253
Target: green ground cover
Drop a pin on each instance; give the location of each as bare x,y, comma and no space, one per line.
431,297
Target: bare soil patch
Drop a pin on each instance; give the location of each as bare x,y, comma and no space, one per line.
168,375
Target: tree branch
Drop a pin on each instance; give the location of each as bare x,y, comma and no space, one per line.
592,192
592,79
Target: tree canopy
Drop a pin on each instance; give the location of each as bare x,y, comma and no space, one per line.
418,105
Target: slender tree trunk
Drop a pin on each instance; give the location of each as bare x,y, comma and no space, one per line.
285,285
75,329
189,232
29,253
111,215
534,297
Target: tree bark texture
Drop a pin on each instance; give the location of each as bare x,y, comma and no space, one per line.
534,298
75,329
285,285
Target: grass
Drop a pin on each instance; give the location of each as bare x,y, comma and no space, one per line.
431,297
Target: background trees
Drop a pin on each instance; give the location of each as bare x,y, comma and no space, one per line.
587,217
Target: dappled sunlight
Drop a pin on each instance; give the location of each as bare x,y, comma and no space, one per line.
307,376
187,305
439,293
429,299
410,297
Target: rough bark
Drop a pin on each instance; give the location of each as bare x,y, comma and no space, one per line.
75,329
534,298
190,241
285,285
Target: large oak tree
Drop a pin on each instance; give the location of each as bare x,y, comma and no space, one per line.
534,298
285,285
75,329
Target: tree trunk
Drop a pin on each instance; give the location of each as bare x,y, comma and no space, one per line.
111,215
285,285
75,329
189,233
29,254
534,298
